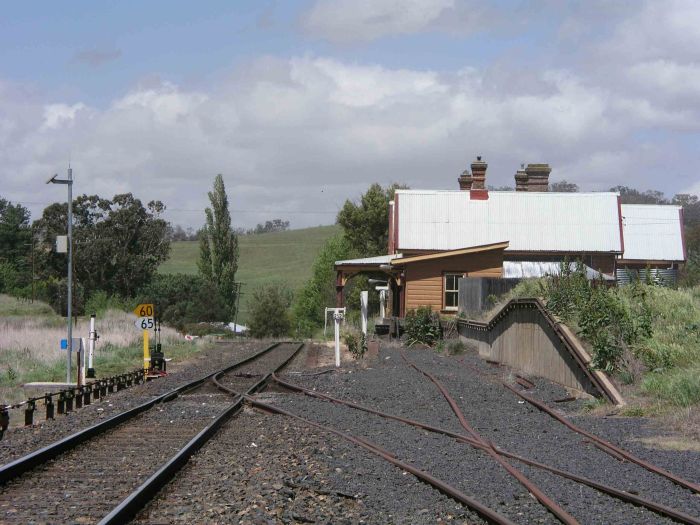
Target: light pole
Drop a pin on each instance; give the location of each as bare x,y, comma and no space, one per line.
69,183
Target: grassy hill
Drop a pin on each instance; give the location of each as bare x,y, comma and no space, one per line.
284,256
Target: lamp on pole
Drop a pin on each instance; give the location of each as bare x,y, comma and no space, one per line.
69,183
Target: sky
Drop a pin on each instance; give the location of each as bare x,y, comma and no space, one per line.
303,104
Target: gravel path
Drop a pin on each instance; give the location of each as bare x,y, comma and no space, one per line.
20,441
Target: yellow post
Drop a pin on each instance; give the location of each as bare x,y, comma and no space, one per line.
146,353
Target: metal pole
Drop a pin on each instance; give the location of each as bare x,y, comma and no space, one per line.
70,273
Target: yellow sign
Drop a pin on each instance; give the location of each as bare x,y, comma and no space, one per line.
144,310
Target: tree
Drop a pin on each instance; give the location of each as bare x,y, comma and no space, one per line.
275,225
118,244
319,290
366,223
269,313
218,246
15,233
632,196
15,246
563,186
184,299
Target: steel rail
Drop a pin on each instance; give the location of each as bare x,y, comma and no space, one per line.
21,465
545,500
610,448
612,491
133,503
486,512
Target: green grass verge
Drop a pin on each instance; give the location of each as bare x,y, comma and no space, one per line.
283,256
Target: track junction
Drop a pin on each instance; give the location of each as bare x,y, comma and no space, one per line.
414,437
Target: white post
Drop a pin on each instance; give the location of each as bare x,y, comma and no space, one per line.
82,360
92,338
337,317
364,298
382,300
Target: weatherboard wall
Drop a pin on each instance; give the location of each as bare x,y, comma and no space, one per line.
425,280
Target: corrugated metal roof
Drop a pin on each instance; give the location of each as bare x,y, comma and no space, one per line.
529,269
652,232
562,222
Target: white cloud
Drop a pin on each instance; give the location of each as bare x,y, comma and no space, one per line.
57,115
303,134
364,20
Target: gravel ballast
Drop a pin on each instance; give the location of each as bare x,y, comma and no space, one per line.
266,468
20,441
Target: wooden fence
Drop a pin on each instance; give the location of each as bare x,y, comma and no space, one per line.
526,336
477,294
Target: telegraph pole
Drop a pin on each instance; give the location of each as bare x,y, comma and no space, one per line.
69,183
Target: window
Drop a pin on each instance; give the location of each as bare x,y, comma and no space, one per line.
451,290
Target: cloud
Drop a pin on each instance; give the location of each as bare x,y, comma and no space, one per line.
295,137
365,20
97,57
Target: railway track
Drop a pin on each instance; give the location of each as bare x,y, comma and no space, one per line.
122,462
661,509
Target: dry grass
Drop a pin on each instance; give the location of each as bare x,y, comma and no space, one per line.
38,338
30,335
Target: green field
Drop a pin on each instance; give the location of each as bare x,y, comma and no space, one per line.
284,257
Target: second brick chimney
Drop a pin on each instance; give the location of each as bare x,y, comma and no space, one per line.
521,179
478,190
537,177
465,181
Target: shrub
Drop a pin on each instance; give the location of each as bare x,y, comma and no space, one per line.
456,347
181,299
100,301
269,311
604,318
319,290
357,344
422,326
9,277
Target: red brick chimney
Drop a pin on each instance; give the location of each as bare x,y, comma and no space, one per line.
521,179
478,189
465,181
538,177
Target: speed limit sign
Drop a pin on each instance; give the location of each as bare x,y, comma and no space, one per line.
144,323
145,310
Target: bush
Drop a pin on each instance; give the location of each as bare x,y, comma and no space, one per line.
319,291
269,311
605,319
9,277
422,326
357,344
183,299
100,301
456,347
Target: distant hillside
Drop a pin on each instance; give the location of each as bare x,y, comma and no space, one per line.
284,256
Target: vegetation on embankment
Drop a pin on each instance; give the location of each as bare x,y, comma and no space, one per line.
647,336
287,256
30,335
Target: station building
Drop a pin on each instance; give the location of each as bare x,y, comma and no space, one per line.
437,237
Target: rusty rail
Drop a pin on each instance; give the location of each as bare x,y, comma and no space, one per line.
619,494
609,447
486,512
545,500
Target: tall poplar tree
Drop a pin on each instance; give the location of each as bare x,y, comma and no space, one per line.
218,246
